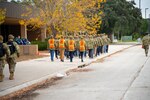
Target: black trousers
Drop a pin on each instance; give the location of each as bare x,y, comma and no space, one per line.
71,53
90,53
98,50
56,54
101,49
81,55
107,46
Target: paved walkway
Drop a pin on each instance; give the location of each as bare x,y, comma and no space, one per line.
32,71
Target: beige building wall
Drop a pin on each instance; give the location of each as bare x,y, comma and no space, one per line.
23,31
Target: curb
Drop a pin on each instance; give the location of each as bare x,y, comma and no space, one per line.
23,88
87,64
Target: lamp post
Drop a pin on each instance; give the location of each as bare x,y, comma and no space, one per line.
145,12
149,24
139,4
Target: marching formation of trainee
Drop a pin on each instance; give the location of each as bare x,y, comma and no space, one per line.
78,46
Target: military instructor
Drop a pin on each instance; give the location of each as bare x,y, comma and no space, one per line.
145,43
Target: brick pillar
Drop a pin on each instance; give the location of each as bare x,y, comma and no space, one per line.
23,31
43,33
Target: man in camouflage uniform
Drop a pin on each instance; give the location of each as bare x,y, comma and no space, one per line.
76,52
145,43
56,47
104,43
108,42
14,52
99,44
90,46
4,52
95,44
86,38
66,50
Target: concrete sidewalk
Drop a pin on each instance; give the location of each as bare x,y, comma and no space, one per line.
39,70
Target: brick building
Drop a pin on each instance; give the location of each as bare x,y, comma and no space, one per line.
11,25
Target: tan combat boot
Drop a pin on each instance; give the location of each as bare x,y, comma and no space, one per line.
11,77
1,78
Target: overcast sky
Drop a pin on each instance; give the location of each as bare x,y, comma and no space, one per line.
144,4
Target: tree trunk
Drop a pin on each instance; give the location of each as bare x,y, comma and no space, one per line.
54,31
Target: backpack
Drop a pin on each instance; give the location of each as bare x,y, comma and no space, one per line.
2,51
12,48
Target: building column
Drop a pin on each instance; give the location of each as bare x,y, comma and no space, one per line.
43,33
23,31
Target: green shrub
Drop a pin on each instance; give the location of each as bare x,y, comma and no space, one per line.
136,36
41,45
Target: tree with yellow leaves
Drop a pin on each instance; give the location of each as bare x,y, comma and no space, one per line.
64,15
2,15
93,16
83,15
46,13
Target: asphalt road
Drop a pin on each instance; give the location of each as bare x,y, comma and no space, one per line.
123,76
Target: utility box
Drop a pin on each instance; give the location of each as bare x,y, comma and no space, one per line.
126,38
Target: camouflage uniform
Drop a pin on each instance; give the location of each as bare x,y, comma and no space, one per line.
101,44
66,50
12,58
56,47
107,44
3,57
145,43
90,45
76,52
95,45
104,43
